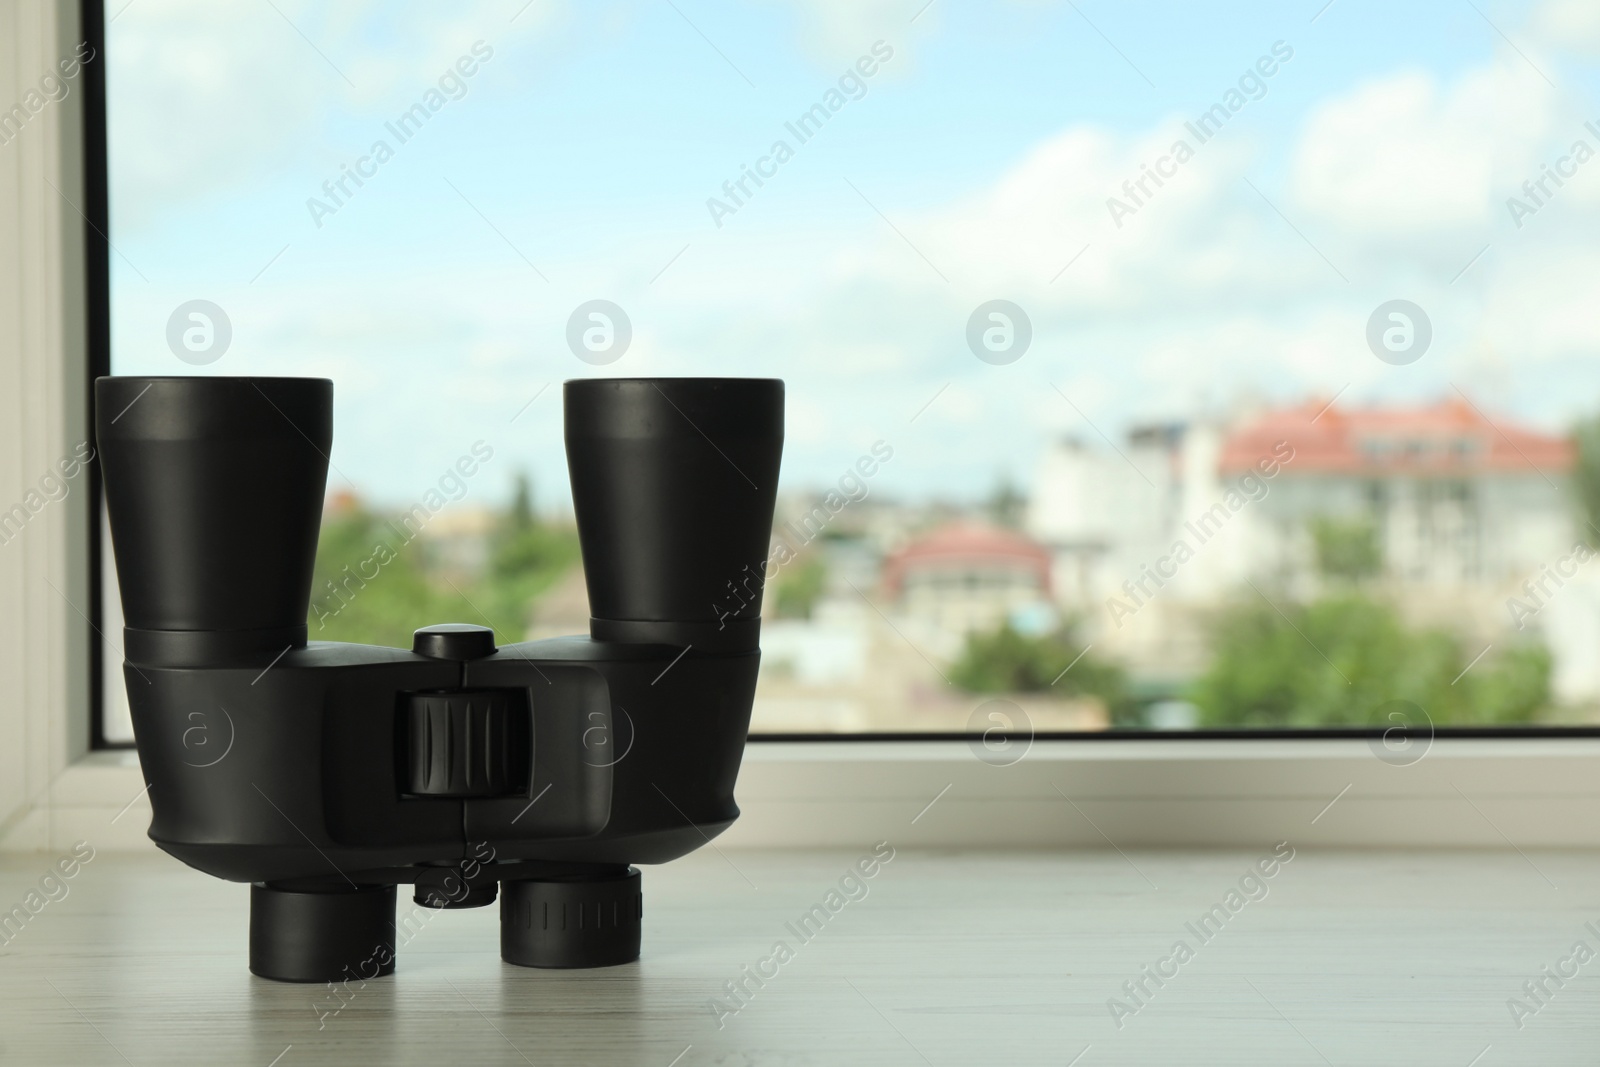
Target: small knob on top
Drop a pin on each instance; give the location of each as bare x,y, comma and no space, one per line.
453,640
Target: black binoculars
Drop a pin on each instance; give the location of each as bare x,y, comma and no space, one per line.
335,772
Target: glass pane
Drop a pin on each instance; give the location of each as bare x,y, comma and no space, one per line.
1149,366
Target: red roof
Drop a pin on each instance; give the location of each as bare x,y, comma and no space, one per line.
1451,437
960,545
341,502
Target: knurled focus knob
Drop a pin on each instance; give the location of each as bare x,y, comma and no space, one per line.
467,743
580,921
453,640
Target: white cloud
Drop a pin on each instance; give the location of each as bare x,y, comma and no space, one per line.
1541,305
1404,157
1204,295
1572,25
205,96
839,31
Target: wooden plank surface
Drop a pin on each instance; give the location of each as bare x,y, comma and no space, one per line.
948,958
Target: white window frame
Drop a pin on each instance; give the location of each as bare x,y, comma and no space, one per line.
1099,793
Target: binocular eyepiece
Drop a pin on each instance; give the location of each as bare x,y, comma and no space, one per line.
214,488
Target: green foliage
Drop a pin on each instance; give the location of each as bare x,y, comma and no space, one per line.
520,517
525,562
382,590
1347,549
1005,661
1586,478
1336,661
799,587
379,593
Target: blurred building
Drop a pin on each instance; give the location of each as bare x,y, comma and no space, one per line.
1452,498
967,576
1148,537
1098,509
457,542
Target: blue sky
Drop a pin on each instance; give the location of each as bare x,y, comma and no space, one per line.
976,167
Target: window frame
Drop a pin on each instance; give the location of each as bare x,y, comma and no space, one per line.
96,280
96,208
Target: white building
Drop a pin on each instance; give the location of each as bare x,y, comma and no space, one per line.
1462,510
1454,499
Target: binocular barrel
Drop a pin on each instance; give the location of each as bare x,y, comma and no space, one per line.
214,489
214,492
673,484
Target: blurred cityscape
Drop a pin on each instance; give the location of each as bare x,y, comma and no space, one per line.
1308,565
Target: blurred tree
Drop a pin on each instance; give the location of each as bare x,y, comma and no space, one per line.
523,552
1336,661
521,514
799,587
1347,549
1005,661
1007,505
368,585
527,558
1586,478
371,586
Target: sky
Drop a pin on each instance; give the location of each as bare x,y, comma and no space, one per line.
975,163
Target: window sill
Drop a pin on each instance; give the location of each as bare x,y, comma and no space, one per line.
1487,793
1483,793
